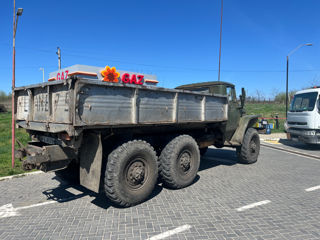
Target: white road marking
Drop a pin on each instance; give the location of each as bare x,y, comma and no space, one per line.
170,232
252,205
20,175
9,211
312,188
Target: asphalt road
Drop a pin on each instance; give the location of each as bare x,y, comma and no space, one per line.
308,149
266,200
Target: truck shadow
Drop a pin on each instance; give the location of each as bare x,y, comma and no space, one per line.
67,192
299,145
63,194
103,202
216,157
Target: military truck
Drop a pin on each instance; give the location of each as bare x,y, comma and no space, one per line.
117,132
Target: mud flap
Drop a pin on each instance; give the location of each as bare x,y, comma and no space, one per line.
91,161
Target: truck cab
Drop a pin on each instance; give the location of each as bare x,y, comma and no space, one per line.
235,110
304,116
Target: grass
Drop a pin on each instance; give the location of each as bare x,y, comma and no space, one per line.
268,110
5,146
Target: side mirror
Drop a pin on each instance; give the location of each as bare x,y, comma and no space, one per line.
318,104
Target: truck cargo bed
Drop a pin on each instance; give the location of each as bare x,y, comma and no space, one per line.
76,103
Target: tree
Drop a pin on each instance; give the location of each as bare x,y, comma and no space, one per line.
314,82
281,96
274,93
4,97
260,95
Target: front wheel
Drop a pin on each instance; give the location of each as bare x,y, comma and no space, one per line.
131,173
249,151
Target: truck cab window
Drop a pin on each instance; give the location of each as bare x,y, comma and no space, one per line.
230,94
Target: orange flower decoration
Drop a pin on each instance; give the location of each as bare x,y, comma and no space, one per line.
110,74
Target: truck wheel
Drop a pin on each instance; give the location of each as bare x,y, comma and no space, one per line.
70,174
179,162
249,151
131,173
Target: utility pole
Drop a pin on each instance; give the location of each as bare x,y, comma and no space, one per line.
220,40
287,80
59,57
15,24
42,73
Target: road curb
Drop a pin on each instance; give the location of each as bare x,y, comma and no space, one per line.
270,139
290,151
20,175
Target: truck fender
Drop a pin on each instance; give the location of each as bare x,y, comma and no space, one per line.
91,161
244,123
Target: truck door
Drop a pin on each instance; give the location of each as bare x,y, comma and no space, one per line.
233,112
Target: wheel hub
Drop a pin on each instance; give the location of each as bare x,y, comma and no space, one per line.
136,173
253,147
185,160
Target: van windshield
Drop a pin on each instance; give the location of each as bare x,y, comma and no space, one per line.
303,102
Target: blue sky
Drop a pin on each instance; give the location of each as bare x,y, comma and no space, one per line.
178,40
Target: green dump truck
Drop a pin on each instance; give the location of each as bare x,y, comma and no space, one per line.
115,131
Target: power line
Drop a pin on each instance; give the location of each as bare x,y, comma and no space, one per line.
194,69
27,67
113,59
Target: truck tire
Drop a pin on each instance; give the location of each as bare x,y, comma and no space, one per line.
131,173
179,162
70,174
249,151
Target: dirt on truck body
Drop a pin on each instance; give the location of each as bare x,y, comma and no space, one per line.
123,134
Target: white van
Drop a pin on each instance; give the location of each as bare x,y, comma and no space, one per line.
304,116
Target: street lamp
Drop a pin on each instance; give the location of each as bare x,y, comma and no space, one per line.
290,53
15,22
19,12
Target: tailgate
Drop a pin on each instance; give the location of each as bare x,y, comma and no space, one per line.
44,103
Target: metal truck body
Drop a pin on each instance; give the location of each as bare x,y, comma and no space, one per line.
72,105
304,118
127,133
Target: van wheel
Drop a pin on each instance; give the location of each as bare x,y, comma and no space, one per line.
179,162
249,151
131,173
